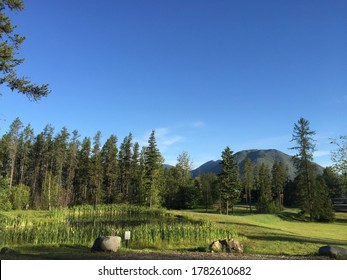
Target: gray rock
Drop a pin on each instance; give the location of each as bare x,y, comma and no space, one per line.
7,251
235,246
229,245
107,243
332,251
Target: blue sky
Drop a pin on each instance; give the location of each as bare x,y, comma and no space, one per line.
203,74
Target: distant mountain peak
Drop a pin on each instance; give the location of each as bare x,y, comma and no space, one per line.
257,156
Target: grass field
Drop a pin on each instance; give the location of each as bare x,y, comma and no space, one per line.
281,234
69,233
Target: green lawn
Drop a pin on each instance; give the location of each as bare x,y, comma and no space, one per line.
280,234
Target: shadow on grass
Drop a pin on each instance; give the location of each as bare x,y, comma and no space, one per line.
291,238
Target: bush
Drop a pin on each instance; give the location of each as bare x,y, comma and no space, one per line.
5,193
20,196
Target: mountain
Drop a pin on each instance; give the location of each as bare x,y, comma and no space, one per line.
269,157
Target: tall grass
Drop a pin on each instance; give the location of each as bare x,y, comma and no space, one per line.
82,225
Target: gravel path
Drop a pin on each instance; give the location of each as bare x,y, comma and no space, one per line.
177,255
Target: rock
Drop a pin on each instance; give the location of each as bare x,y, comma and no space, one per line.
235,246
216,246
107,243
7,251
229,245
332,251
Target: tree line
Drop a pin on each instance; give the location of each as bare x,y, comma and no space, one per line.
55,170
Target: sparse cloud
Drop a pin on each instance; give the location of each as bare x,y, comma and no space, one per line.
198,124
342,99
164,137
321,153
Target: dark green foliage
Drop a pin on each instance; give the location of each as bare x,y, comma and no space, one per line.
265,204
5,195
248,181
207,183
334,182
96,172
313,195
83,172
323,208
180,190
10,43
279,180
153,173
20,197
109,155
229,180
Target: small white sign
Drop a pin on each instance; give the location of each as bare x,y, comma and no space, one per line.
127,235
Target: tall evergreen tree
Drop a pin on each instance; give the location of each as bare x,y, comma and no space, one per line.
60,161
153,177
35,179
308,186
248,181
229,180
83,171
279,180
26,142
71,167
96,172
136,175
110,164
15,130
302,135
10,43
125,158
208,184
265,202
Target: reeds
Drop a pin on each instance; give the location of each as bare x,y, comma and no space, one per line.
82,225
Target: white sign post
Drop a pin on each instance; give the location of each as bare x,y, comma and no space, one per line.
127,238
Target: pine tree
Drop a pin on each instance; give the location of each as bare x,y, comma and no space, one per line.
125,158
248,181
308,185
25,145
136,175
265,202
279,180
15,130
229,180
35,180
96,172
10,43
208,184
60,161
110,165
71,167
153,177
82,178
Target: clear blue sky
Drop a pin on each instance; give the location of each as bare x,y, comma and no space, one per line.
203,74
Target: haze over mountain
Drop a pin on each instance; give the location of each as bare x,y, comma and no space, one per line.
269,157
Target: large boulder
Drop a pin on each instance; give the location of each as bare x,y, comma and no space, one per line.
216,246
332,251
228,245
234,246
107,243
